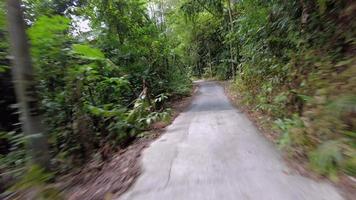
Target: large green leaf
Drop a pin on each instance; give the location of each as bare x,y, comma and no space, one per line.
87,52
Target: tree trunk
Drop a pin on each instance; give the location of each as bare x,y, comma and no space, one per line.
231,26
23,79
210,63
161,11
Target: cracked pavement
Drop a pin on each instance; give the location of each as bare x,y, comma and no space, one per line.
212,151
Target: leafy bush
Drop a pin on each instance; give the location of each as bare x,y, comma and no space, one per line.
293,138
16,158
327,158
349,165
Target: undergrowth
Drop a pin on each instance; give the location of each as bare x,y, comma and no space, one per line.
303,77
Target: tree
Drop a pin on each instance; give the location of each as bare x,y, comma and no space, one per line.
231,28
23,78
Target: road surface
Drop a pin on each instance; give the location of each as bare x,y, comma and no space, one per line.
213,152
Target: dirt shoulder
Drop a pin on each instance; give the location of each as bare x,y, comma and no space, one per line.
345,184
108,180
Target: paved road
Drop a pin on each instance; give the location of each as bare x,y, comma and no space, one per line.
213,152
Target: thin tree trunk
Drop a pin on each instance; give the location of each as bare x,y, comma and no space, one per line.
194,33
231,26
161,10
23,79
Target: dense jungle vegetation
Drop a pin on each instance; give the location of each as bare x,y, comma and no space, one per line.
104,70
292,61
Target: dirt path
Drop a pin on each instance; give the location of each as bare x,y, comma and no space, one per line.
212,151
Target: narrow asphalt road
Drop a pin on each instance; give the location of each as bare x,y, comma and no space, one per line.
212,151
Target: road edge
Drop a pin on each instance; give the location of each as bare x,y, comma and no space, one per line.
346,186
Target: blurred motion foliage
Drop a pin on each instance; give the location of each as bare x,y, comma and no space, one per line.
294,62
298,66
98,87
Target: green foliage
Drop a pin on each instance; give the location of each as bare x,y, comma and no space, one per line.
87,52
291,71
35,180
293,137
291,60
48,36
343,104
349,166
143,113
35,176
90,84
17,157
327,158
3,41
